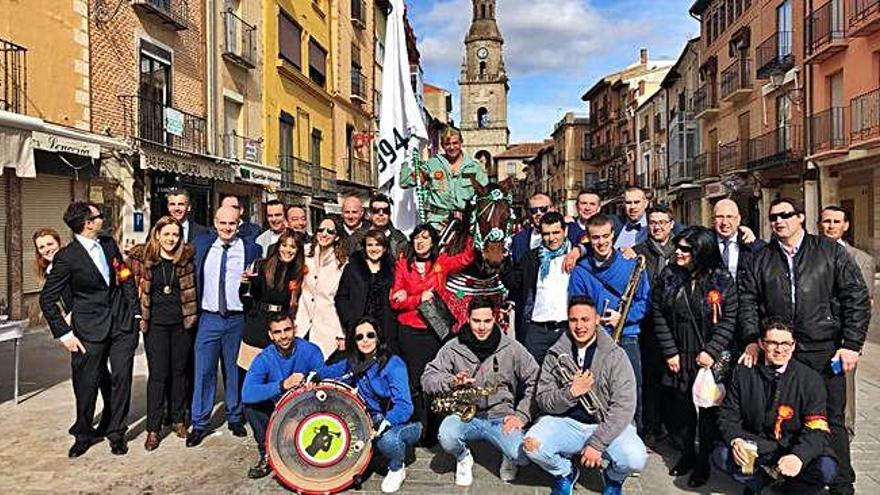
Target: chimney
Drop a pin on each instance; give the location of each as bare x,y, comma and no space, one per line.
643,56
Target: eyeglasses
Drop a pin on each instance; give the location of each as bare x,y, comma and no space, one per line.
361,336
382,211
684,249
785,215
659,223
327,230
538,209
782,346
95,217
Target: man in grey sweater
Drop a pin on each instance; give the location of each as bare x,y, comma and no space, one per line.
482,356
599,374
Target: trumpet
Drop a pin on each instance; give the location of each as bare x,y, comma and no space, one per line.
589,401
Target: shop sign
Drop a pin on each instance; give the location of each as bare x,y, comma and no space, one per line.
714,189
261,176
173,121
60,144
187,165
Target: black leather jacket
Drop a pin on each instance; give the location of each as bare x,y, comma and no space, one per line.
832,308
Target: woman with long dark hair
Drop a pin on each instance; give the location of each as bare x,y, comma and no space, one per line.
316,318
695,304
382,382
366,283
419,277
164,274
273,288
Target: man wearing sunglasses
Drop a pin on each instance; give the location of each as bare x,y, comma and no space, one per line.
778,409
530,237
380,218
814,283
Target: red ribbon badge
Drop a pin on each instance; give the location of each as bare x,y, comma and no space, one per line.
714,300
123,272
783,413
438,175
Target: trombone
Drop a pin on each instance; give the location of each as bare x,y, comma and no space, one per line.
589,401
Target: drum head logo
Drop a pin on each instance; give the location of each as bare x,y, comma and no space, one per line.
322,439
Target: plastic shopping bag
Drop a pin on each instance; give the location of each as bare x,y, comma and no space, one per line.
706,392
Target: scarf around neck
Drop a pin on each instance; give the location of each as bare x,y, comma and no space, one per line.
548,256
481,348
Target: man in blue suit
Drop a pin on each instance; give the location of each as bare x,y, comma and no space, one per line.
221,257
589,203
634,228
530,237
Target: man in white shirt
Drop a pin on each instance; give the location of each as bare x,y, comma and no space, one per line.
540,283
735,250
179,206
277,225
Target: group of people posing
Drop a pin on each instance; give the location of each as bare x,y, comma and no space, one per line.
780,324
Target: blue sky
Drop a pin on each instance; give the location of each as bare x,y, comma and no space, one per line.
554,49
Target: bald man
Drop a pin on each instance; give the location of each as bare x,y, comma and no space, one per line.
733,238
353,215
530,237
221,257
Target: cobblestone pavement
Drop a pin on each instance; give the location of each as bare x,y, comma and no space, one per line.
34,443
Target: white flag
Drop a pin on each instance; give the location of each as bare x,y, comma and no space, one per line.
401,128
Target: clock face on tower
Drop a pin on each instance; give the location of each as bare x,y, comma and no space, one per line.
482,52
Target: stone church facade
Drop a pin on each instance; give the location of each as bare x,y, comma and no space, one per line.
483,85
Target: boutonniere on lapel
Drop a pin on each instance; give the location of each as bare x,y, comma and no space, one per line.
783,413
438,175
714,300
123,272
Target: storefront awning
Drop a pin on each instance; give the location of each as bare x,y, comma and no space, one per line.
17,152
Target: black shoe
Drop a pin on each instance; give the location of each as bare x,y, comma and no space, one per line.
80,447
699,477
195,437
238,430
118,447
684,466
260,470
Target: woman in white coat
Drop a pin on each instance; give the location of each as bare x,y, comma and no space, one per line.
316,318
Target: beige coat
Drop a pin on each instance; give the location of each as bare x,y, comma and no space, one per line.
316,316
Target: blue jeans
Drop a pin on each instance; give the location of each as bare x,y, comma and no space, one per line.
394,442
818,473
634,353
561,438
217,337
455,434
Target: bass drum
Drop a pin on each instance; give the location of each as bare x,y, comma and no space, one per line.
319,438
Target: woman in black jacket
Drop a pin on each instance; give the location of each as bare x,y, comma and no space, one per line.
694,305
365,286
273,288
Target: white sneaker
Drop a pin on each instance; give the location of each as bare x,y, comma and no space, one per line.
394,480
508,470
464,470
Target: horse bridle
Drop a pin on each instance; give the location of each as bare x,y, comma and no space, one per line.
495,234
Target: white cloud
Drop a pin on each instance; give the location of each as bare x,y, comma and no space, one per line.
540,35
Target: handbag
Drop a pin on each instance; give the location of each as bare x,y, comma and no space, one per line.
437,316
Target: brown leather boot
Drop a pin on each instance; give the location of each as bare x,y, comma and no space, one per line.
152,441
179,429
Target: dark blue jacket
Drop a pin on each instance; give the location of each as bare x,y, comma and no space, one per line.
202,245
609,282
388,386
521,244
576,233
269,370
249,231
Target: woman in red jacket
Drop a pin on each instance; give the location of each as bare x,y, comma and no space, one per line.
418,277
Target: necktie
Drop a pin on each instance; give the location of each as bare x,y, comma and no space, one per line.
725,253
101,261
221,295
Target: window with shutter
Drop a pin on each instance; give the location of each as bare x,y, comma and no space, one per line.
317,63
289,40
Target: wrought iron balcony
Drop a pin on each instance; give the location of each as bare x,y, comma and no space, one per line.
825,34
13,77
325,182
736,80
360,171
173,13
706,165
775,55
730,157
780,146
706,100
152,123
864,17
682,171
296,175
828,132
242,148
865,115
239,41
358,85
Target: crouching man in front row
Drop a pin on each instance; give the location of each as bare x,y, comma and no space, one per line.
587,389
773,420
482,356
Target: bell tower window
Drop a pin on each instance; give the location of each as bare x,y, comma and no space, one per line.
482,118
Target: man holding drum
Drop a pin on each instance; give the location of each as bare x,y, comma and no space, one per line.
276,369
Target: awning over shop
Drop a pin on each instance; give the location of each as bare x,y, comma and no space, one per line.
17,152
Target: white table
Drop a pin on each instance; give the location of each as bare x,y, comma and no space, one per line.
13,330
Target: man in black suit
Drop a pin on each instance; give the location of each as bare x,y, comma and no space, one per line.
736,250
179,207
103,305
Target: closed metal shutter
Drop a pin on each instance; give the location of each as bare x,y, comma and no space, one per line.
43,201
4,259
